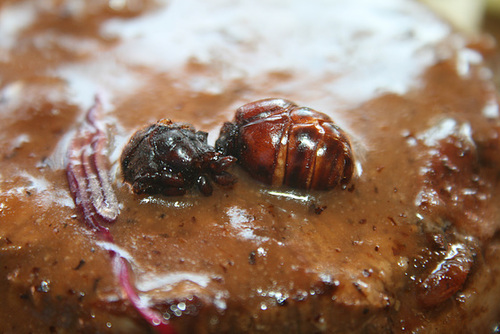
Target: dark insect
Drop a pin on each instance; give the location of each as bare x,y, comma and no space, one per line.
280,143
169,158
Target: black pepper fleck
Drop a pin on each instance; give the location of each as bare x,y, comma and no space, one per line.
319,209
79,265
252,257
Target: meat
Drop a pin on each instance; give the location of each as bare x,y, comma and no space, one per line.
411,244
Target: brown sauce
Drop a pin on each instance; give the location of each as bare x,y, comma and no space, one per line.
252,258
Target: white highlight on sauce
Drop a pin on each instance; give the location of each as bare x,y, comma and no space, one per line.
248,40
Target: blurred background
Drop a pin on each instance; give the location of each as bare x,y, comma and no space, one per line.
470,16
491,21
480,19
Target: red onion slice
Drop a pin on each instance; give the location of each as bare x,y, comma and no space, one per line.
87,170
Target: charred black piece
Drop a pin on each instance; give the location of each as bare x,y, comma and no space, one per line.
169,158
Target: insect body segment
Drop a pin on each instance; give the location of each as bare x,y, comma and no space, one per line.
280,143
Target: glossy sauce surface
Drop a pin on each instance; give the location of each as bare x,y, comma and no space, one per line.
422,208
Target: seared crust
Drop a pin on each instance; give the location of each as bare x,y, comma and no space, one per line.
412,244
